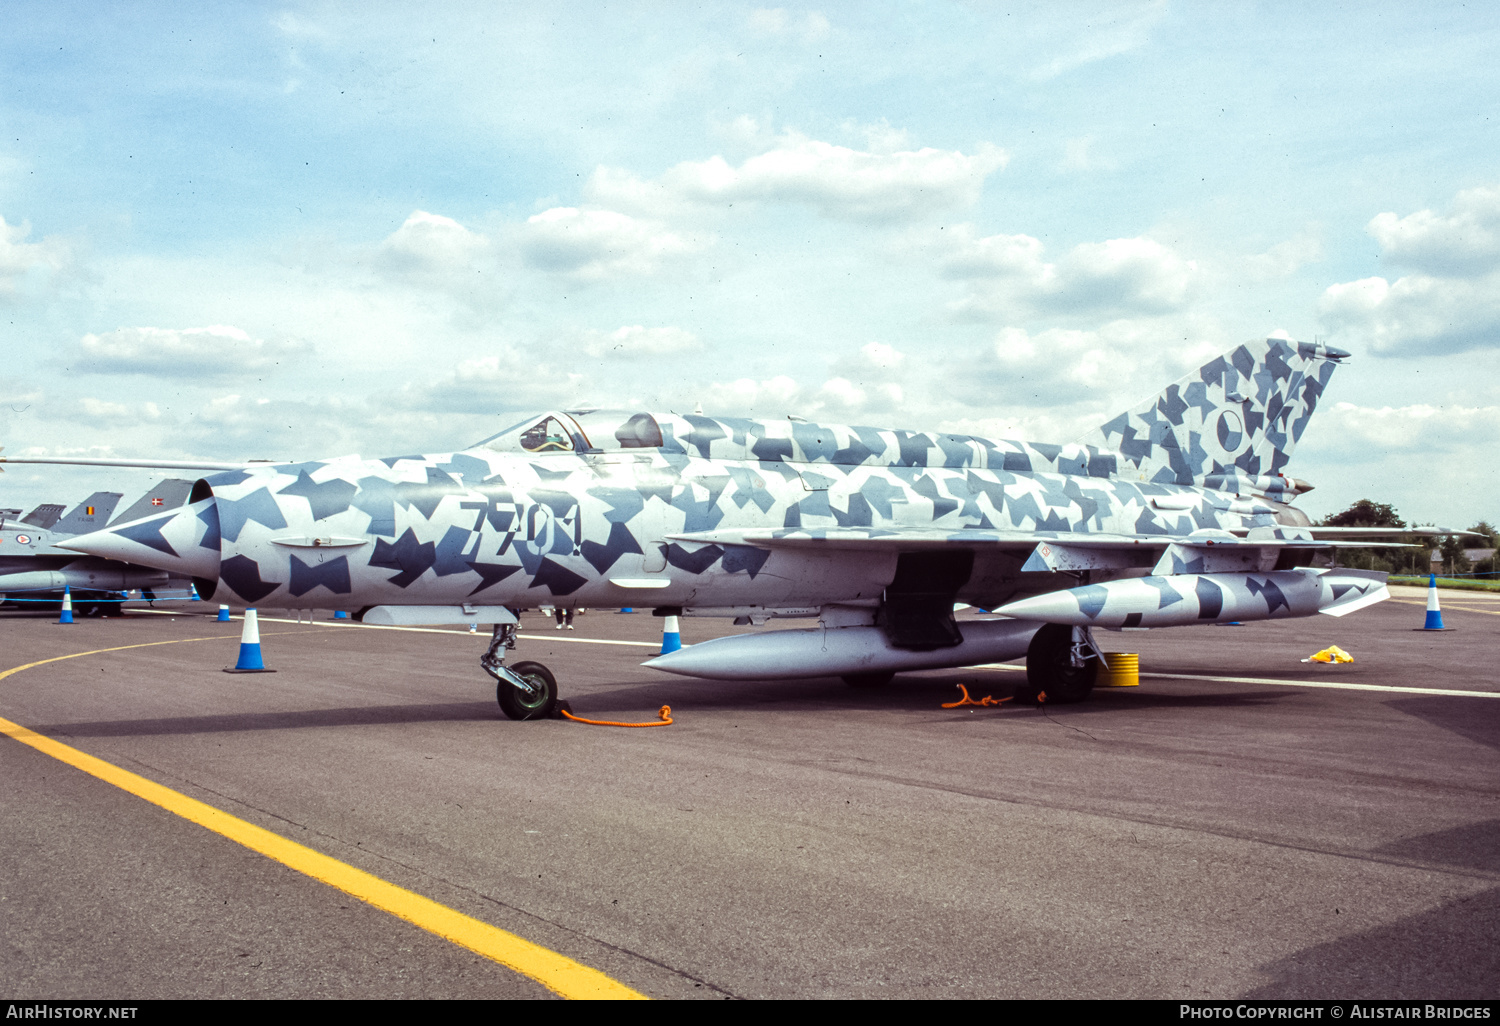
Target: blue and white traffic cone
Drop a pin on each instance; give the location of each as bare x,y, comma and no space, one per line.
1434,614
250,661
193,592
671,636
223,614
67,607
341,614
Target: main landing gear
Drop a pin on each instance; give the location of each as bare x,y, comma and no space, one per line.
525,691
1062,663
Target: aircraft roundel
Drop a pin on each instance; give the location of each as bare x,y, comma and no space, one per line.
1231,431
23,539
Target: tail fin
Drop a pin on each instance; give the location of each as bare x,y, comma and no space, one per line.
1230,424
44,516
162,496
89,515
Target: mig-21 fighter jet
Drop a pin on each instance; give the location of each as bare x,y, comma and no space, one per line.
1175,512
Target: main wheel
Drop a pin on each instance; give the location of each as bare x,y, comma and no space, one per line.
865,681
1050,669
517,704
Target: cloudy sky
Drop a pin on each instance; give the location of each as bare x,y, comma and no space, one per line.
302,230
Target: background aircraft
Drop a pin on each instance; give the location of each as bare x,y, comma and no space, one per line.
1175,512
34,571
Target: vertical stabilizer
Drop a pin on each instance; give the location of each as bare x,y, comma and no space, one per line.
44,516
89,515
160,497
1232,423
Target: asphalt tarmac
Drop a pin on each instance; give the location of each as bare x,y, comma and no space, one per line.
1226,829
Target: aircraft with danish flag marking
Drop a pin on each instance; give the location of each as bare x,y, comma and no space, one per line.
34,570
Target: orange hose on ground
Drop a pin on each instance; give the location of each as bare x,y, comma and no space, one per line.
966,700
665,714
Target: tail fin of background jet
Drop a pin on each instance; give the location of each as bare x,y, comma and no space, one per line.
44,516
89,515
1230,424
160,497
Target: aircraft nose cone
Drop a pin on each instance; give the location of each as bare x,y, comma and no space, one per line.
184,541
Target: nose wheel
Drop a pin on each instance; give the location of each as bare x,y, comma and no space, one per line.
537,701
525,691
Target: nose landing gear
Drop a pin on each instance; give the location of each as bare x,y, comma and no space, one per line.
525,691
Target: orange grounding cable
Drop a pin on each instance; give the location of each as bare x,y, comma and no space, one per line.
665,713
966,700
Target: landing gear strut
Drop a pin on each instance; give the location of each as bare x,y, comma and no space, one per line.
1062,663
525,691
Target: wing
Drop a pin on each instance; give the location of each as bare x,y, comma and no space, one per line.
1205,551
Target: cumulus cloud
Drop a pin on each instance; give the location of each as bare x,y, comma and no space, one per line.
1416,314
1285,257
1464,242
594,244
838,181
20,260
432,244
215,351
837,399
1451,301
108,413
1371,433
1008,274
254,427
1062,362
637,340
436,254
509,380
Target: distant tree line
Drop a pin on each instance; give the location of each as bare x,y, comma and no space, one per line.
1417,559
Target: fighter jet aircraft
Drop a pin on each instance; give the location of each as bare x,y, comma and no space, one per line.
1175,512
33,569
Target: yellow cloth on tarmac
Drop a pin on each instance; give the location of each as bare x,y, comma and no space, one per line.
1331,654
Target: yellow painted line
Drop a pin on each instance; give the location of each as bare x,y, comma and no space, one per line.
556,972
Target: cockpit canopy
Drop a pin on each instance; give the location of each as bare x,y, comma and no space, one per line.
578,431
